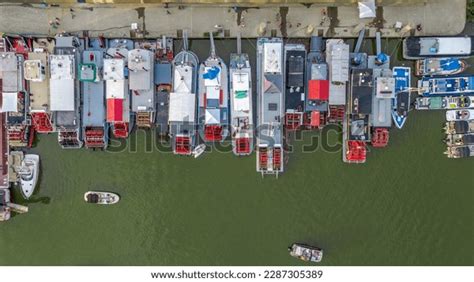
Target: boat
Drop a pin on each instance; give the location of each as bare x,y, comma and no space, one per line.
141,82
440,66
446,86
116,87
401,100
4,151
306,252
459,127
317,96
241,113
337,57
444,102
270,106
459,139
421,47
29,172
37,75
454,115
65,90
213,99
356,131
5,211
382,101
15,98
101,198
163,82
94,126
182,107
457,152
295,58
199,150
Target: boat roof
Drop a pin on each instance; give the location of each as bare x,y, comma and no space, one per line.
9,102
93,113
445,45
337,53
241,92
62,94
182,107
115,110
361,91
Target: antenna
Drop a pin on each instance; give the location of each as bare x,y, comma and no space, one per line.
239,43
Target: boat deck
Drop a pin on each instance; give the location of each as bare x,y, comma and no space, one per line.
4,153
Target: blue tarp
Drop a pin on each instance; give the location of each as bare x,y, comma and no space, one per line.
450,64
211,73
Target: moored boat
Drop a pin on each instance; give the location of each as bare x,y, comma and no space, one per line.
337,57
446,86
117,88
28,173
401,99
94,125
459,127
421,47
101,198
270,106
241,114
444,102
5,212
295,59
440,66
459,139
457,152
306,252
454,115
163,82
65,90
182,107
213,99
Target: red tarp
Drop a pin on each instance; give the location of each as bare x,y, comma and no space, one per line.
114,110
318,90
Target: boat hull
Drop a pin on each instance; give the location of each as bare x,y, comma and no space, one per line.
28,183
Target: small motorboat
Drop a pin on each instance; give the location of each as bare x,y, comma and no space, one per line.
101,198
199,150
305,252
456,115
28,173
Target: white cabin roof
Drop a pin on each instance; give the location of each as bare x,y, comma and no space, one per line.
62,94
182,107
116,89
9,102
183,79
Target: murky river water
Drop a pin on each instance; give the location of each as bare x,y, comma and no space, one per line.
408,205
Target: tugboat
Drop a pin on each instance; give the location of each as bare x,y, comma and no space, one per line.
141,81
182,108
459,127
316,103
295,57
444,103
213,100
421,47
28,173
163,80
270,106
37,75
401,100
457,152
446,86
65,91
101,198
305,252
454,115
117,91
440,66
241,102
459,139
94,125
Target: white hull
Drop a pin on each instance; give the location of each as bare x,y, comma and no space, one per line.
454,115
29,175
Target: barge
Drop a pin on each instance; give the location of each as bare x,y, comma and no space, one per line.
295,58
270,106
337,57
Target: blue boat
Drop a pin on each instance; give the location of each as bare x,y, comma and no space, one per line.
446,86
401,102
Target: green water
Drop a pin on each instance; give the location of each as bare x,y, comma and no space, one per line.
408,205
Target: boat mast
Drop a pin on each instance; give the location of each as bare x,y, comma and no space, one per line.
239,43
213,47
185,40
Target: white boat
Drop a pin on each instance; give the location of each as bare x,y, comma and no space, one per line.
101,198
29,172
199,150
453,115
